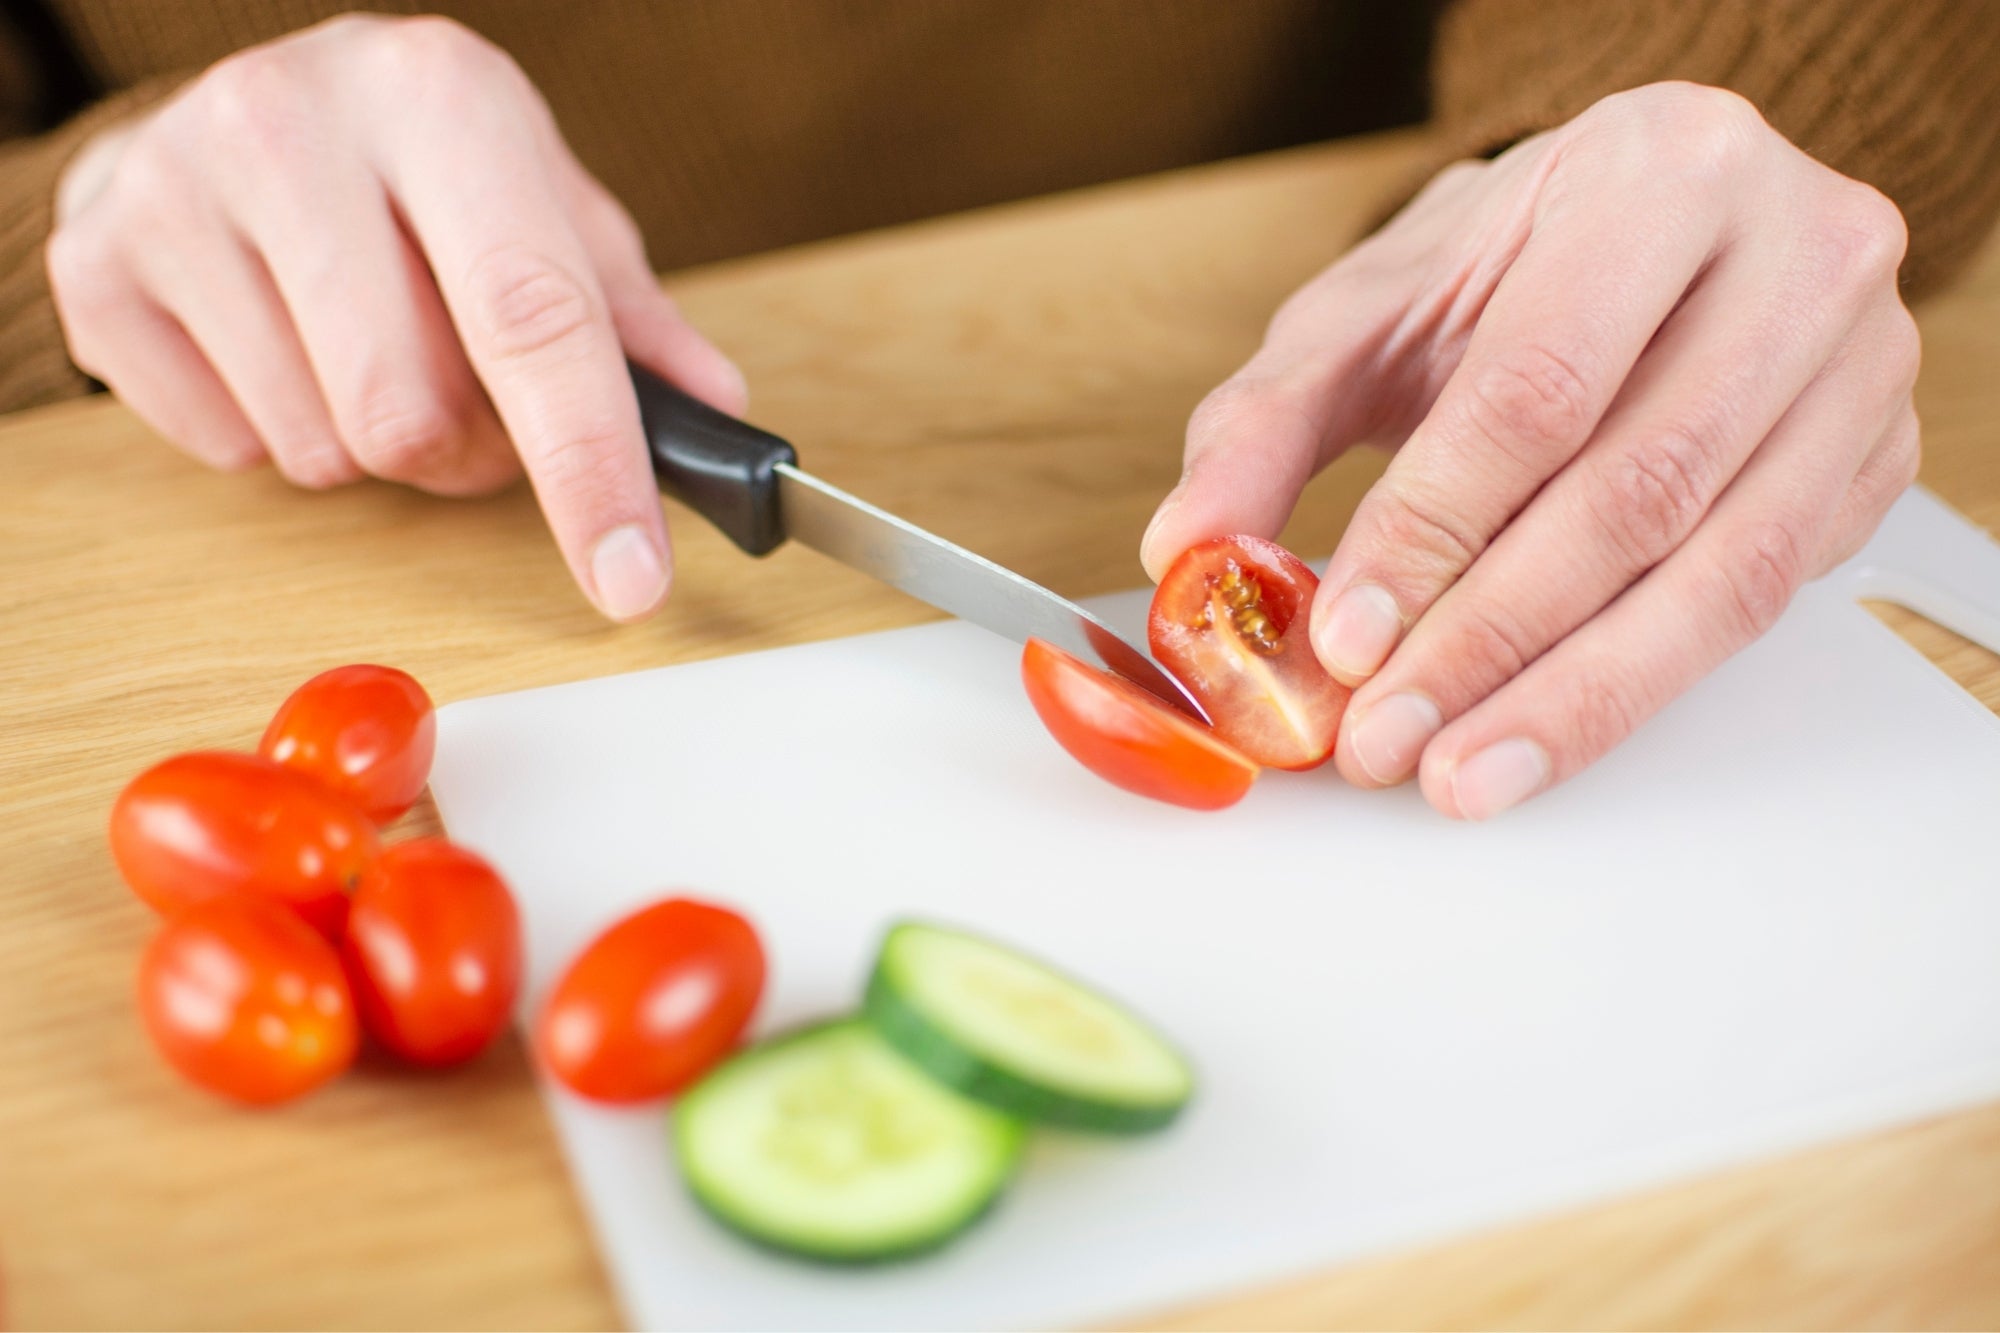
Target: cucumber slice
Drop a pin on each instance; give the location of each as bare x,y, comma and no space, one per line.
1018,1035
828,1144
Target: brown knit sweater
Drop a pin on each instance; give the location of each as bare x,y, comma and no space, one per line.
729,126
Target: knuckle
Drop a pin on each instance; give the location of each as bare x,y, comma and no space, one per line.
252,99
1602,713
1864,233
1655,490
528,304
151,179
1420,530
1687,130
85,286
400,438
309,462
440,51
82,276
1493,647
1523,402
1226,406
588,459
1764,567
1906,349
1253,411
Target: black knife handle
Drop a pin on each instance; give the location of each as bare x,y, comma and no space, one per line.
722,468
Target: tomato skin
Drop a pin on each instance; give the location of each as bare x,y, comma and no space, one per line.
208,824
652,1003
368,732
1258,679
433,952
1129,738
247,1001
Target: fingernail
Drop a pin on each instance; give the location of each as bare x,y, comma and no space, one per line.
1500,776
1390,736
1355,636
628,572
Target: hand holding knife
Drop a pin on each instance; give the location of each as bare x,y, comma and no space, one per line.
747,482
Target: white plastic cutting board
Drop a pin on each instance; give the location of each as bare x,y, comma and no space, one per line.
1772,917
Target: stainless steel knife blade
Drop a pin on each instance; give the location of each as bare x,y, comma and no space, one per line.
956,580
747,482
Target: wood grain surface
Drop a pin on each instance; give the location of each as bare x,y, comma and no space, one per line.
1017,379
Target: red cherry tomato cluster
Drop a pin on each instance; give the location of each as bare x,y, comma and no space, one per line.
1229,621
290,928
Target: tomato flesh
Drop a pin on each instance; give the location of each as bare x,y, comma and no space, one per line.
247,1001
367,732
433,951
1229,620
1129,738
652,1003
205,825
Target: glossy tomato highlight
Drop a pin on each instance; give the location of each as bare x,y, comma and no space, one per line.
652,1003
1129,738
433,951
206,825
1230,620
246,1000
368,732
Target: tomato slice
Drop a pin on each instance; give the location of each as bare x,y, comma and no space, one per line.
246,1000
652,1003
433,950
367,732
1128,737
210,824
1229,620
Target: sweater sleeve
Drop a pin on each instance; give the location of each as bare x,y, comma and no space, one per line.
1902,94
34,367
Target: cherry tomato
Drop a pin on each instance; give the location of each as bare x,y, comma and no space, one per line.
368,732
246,1000
433,950
1129,738
1229,620
653,1002
206,824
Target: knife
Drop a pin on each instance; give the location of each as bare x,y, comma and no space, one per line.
748,483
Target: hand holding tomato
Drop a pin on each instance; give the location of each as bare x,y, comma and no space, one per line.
1648,372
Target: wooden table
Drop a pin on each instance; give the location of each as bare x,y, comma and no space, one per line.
1017,379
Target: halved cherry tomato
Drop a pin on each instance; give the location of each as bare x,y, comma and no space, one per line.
368,732
433,950
1129,738
653,1002
208,824
1229,620
246,1000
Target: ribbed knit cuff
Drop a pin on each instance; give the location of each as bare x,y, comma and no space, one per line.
34,366
1902,94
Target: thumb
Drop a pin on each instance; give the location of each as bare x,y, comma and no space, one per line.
1258,438
1309,395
